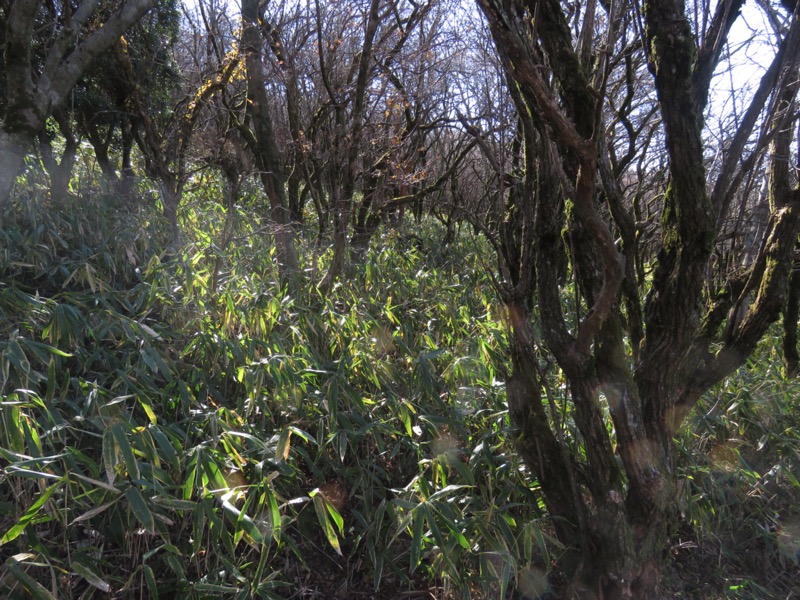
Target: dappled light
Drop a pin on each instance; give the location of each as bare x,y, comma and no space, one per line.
399,299
532,582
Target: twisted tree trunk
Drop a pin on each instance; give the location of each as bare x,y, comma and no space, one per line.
613,491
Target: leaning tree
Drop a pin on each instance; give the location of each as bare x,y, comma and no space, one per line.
632,311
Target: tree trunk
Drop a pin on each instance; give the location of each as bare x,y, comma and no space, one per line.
60,171
265,148
615,542
171,193
341,222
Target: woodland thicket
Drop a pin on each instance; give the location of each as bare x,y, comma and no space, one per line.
399,298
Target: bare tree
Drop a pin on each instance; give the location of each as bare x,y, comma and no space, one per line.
262,141
637,351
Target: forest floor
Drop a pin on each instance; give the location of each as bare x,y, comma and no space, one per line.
698,571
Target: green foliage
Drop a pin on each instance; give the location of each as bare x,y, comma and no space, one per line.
176,424
180,425
742,466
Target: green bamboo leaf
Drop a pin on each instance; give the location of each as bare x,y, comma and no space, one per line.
36,589
322,516
299,432
111,457
176,567
148,356
174,503
213,588
378,566
275,515
150,580
16,471
52,379
96,482
12,428
533,528
213,475
406,418
460,538
417,536
32,441
148,410
190,481
140,509
337,518
243,521
85,571
167,449
94,512
149,331
128,457
31,513
446,491
282,447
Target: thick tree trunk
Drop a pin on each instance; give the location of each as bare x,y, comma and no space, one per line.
30,96
171,193
366,221
615,542
543,451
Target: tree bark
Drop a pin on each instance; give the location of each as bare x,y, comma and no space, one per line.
265,148
622,506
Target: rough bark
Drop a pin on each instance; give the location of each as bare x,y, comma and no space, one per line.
265,146
14,147
348,155
299,170
629,475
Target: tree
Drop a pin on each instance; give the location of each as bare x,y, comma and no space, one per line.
261,138
637,351
32,94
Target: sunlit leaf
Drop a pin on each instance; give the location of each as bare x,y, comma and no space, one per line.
282,448
242,521
90,575
323,516
31,513
36,589
125,449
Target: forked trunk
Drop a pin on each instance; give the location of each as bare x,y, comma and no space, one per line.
614,535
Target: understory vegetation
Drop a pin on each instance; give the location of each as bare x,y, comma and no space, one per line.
184,423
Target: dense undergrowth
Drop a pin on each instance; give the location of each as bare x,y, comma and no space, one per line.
177,423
